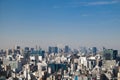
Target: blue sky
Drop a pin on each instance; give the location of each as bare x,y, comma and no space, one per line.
53,22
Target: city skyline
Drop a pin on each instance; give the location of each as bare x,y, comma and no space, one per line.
60,22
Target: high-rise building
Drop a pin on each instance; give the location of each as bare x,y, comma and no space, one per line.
66,50
26,52
110,54
26,48
94,50
115,53
18,47
55,49
52,49
39,52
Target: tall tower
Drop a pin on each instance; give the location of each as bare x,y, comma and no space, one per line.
66,49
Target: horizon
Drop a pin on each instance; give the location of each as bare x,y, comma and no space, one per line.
60,22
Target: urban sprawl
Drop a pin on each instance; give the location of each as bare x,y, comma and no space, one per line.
59,63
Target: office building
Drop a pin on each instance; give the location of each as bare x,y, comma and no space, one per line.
53,50
66,50
110,54
94,50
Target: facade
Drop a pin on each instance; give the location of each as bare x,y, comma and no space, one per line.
53,50
66,50
110,54
15,65
94,50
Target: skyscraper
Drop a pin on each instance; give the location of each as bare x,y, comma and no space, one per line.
66,50
52,49
56,49
94,50
110,54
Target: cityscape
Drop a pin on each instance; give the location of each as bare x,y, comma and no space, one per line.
59,39
59,64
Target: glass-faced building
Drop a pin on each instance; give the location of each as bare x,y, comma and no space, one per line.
110,54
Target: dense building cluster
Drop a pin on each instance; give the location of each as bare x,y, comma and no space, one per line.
59,64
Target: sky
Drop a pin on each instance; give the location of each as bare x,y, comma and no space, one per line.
60,22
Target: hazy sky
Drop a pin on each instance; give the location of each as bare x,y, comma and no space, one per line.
60,22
